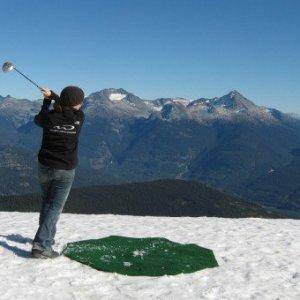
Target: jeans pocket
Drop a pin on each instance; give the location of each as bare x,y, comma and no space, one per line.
43,173
64,175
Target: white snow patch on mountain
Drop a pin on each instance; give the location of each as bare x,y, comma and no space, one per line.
117,96
184,102
258,259
157,108
154,106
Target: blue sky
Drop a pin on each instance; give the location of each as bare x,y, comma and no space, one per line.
156,48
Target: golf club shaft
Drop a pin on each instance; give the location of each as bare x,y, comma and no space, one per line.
34,83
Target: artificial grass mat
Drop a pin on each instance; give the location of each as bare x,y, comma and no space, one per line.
140,256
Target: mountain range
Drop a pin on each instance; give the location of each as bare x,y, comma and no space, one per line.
227,142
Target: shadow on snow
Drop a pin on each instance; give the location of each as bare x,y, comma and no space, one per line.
17,238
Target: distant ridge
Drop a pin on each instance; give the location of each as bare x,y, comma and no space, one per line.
174,198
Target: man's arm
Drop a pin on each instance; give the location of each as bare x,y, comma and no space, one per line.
41,119
54,97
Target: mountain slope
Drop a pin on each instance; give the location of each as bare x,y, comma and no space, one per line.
159,198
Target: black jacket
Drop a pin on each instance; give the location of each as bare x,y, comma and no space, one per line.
60,135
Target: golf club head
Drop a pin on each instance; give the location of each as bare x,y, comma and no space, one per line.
7,67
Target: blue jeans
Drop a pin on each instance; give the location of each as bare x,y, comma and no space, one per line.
55,185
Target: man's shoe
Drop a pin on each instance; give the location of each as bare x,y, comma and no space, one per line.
38,253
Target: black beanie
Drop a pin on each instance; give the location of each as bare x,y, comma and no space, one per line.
71,96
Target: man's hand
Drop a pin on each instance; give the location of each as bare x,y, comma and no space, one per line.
46,93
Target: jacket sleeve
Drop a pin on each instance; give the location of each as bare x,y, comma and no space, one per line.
54,97
42,118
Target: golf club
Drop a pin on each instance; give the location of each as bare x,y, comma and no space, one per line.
9,66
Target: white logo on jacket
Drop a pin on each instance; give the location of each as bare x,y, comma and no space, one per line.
64,127
69,129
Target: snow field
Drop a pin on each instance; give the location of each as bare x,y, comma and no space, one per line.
258,259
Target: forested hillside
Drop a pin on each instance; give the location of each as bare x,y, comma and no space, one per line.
158,198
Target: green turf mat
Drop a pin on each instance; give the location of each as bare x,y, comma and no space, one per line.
141,256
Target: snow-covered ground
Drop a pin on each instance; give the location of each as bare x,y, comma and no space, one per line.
258,259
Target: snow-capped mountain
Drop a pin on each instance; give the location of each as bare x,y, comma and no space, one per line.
230,106
115,102
119,102
227,142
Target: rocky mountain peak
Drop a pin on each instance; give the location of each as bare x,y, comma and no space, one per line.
235,93
234,100
173,111
6,97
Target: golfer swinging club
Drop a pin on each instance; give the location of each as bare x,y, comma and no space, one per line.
57,160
